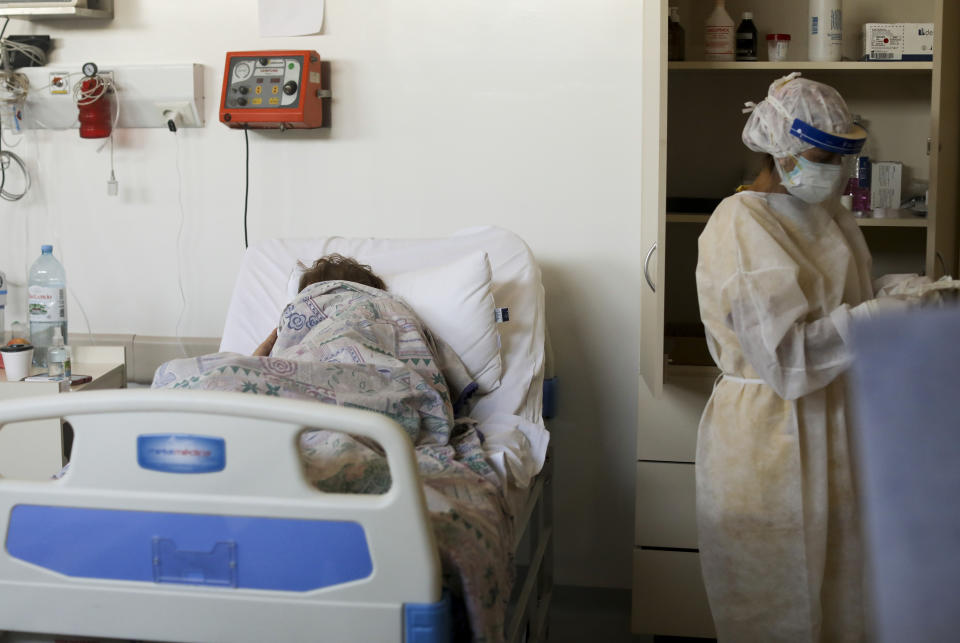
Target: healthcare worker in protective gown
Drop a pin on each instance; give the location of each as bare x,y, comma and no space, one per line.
783,271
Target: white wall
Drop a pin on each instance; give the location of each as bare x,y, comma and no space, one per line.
519,113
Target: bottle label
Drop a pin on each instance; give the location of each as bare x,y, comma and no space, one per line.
746,46
47,304
719,40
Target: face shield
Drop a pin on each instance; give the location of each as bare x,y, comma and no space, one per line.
816,182
848,143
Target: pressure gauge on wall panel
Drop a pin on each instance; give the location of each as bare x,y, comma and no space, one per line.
89,69
242,71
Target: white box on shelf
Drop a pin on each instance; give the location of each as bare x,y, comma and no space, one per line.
886,179
887,41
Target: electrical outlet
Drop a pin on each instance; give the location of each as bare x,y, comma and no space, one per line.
181,113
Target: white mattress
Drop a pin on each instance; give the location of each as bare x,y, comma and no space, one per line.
511,414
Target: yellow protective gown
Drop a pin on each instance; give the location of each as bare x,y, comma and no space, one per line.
779,281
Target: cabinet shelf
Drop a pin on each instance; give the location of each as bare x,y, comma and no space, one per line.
912,222
687,218
672,370
701,65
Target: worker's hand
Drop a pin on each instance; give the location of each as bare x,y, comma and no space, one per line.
882,305
263,350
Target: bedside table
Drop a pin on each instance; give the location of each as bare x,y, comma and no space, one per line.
34,450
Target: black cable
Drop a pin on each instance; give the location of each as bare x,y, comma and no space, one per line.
3,169
3,54
246,189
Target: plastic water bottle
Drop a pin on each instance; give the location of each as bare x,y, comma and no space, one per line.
47,303
58,358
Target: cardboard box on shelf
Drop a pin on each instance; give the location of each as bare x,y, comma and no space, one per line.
886,42
886,179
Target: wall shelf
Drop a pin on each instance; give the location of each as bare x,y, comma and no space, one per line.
705,65
96,9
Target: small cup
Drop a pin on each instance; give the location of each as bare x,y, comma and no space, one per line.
17,360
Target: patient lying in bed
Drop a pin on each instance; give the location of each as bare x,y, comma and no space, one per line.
345,340
332,267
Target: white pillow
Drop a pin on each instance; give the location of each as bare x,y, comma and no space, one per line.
456,303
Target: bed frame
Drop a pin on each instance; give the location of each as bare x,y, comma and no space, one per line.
528,617
69,565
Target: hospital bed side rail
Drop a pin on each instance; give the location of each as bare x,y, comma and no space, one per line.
126,546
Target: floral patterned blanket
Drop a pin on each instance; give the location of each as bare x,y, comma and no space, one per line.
344,343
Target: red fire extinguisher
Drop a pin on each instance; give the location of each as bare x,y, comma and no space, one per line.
94,102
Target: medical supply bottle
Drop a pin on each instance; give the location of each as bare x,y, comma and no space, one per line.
825,30
675,36
747,38
47,303
719,40
859,187
58,358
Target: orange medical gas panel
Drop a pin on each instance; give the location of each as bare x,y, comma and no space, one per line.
273,90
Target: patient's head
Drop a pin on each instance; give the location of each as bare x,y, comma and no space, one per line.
339,268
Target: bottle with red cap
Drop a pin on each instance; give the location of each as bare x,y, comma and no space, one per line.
778,47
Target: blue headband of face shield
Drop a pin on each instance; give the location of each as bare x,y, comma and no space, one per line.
836,143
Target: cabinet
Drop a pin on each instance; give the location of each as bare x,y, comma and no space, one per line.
35,450
693,154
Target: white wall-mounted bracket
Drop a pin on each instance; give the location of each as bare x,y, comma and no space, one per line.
149,95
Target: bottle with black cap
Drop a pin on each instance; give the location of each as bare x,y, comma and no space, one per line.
747,38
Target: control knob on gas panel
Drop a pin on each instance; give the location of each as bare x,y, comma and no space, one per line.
290,87
244,90
241,101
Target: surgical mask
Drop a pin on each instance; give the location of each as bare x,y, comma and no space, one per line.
813,182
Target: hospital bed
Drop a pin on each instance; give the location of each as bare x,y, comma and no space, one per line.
216,541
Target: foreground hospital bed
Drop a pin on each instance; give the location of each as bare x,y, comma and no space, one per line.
186,516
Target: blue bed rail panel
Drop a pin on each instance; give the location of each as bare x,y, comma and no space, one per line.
428,622
250,552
